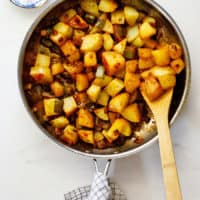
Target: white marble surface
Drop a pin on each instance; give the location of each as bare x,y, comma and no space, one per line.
33,167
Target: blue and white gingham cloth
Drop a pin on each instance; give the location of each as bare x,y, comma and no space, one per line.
100,189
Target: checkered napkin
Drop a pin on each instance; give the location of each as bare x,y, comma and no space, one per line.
100,189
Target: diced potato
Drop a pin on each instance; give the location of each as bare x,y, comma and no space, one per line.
167,81
120,47
114,87
132,113
90,6
81,98
102,82
70,135
64,29
100,113
70,105
67,16
41,74
152,88
177,65
113,62
74,68
108,42
52,106
131,15
131,66
120,74
161,56
130,52
103,98
60,122
146,63
118,17
57,38
175,51
70,50
92,42
147,30
119,102
77,37
107,5
57,88
98,136
86,136
78,22
138,42
132,33
150,20
90,59
149,43
82,82
42,60
85,118
131,81
93,92
57,68
108,27
144,53
119,32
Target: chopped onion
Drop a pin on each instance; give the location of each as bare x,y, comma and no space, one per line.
100,71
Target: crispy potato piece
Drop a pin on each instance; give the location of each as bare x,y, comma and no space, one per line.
131,81
132,33
119,102
77,37
98,136
120,47
150,20
118,17
103,98
131,66
147,30
150,43
132,113
177,65
74,68
93,92
161,56
86,136
102,82
42,60
90,6
131,15
81,98
138,42
144,53
82,82
113,62
100,113
67,16
57,68
60,122
120,74
107,6
114,87
52,106
146,63
108,42
70,105
85,118
57,88
70,135
167,81
108,27
64,29
57,38
78,22
92,42
90,59
175,51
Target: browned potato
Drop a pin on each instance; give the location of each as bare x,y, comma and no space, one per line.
167,81
60,122
107,6
108,42
64,29
147,30
119,102
146,63
52,106
77,37
42,60
70,105
113,116
57,88
78,22
74,68
57,38
82,82
114,87
90,6
161,56
144,53
100,113
81,98
131,66
85,118
108,27
132,113
86,136
131,81
120,47
57,68
131,15
102,82
118,17
150,43
177,65
103,98
67,16
70,135
93,92
175,51
90,59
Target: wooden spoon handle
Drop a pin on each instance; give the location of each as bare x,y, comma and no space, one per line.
171,180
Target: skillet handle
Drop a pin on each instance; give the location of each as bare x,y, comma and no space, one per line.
106,169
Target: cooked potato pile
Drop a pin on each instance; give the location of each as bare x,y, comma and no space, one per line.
83,84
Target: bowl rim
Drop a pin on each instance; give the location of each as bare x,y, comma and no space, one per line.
129,152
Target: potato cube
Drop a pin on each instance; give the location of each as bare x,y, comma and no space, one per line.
90,6
131,81
132,33
57,38
149,43
81,98
100,113
57,68
161,56
132,113
118,17
86,136
103,98
92,42
78,22
67,16
57,88
102,82
113,62
98,136
108,42
177,65
150,20
90,59
119,102
74,68
60,122
108,27
52,106
131,15
82,82
70,135
85,118
107,6
70,105
167,81
145,63
120,47
138,42
175,51
131,66
64,29
77,37
144,53
147,30
93,92
42,60
120,74
114,87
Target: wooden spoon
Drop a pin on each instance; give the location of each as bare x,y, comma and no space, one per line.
160,110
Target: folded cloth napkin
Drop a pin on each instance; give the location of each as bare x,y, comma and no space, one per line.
100,189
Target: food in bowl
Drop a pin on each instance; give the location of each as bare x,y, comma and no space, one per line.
83,83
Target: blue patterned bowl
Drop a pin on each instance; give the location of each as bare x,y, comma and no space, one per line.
29,3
